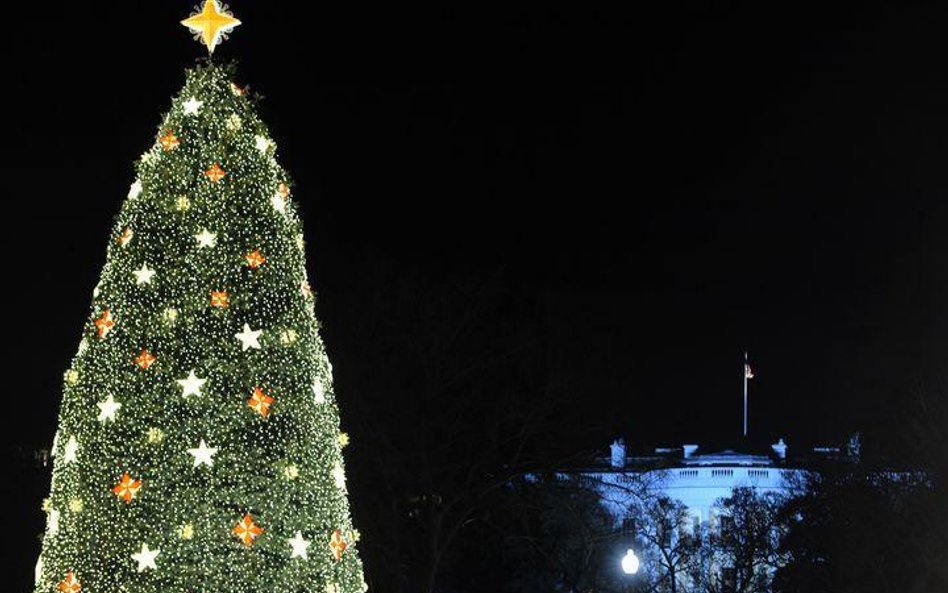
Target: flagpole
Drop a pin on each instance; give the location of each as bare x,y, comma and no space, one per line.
745,394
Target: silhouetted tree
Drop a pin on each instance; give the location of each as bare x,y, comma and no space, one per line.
881,528
670,546
559,537
852,530
927,439
741,553
457,405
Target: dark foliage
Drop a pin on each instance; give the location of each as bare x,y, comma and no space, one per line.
459,401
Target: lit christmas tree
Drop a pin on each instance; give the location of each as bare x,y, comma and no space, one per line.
198,448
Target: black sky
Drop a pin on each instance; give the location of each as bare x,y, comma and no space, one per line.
686,182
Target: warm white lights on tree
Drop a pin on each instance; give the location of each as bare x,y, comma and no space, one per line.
199,441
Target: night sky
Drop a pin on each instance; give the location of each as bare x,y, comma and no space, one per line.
682,183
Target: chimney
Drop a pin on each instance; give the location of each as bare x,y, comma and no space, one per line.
780,449
854,447
618,453
688,450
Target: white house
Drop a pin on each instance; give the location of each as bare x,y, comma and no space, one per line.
696,478
700,479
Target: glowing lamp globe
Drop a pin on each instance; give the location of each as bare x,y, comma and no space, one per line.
630,563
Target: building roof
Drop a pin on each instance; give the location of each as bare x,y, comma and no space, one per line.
728,457
777,454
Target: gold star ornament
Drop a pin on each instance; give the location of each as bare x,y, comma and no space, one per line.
212,24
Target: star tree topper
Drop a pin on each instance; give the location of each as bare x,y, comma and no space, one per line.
212,24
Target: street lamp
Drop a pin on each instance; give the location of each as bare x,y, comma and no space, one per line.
630,562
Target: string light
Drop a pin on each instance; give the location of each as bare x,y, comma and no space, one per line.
202,306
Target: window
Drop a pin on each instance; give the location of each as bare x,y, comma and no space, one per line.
728,579
725,525
665,536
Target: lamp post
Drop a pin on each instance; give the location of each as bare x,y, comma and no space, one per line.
630,562
630,566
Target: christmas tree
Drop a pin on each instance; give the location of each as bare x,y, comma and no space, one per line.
198,447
